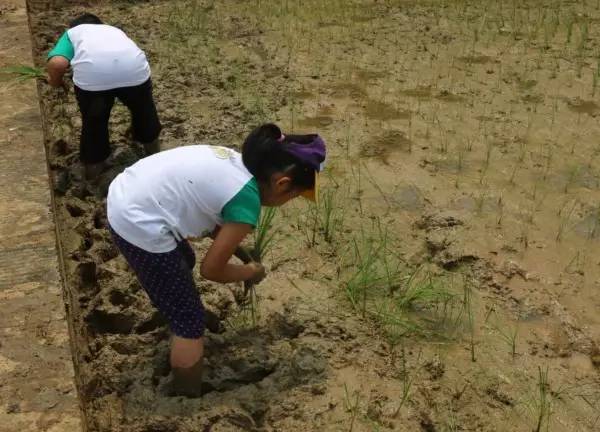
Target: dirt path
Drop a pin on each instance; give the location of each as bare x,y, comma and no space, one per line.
461,132
37,391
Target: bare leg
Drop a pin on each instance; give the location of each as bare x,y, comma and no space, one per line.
152,147
186,363
92,171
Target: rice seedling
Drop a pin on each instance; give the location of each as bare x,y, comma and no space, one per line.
577,264
596,225
509,336
373,269
480,201
23,72
423,305
407,382
379,289
264,234
543,402
500,211
468,306
263,238
555,68
443,137
524,236
536,187
460,158
410,123
331,214
548,159
572,174
382,193
356,170
570,22
489,147
554,110
514,172
565,214
352,405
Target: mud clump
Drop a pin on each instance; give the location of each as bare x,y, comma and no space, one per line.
282,326
430,222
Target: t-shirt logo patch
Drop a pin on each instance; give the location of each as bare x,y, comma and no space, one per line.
222,152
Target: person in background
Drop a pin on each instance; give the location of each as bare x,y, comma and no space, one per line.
106,65
159,202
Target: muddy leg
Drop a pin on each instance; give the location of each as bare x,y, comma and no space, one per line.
92,171
186,363
152,147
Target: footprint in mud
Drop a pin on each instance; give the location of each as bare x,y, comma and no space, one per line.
86,243
111,322
88,276
100,218
237,373
120,298
75,209
62,182
233,365
60,147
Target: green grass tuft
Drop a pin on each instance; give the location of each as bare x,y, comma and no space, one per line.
23,72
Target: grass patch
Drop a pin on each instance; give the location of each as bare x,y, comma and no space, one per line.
23,72
400,301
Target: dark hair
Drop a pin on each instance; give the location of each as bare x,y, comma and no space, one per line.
86,18
264,154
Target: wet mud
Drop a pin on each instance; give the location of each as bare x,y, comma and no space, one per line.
452,169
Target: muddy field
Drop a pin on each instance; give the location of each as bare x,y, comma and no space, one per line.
448,280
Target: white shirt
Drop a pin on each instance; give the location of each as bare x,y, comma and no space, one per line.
174,194
105,58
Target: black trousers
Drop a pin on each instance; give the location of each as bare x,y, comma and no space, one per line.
95,107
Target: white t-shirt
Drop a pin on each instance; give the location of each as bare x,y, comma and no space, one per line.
180,193
105,58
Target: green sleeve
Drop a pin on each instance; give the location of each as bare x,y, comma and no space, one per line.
63,48
244,207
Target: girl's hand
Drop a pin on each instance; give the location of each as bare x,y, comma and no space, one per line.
259,273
